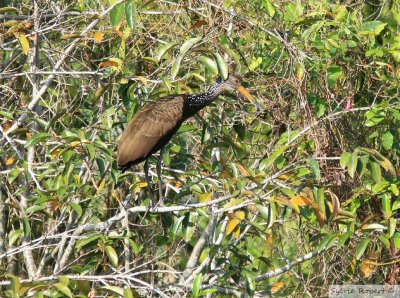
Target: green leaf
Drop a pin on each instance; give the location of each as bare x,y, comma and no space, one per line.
343,238
209,64
77,208
392,226
374,117
268,213
374,226
128,293
36,138
175,67
372,28
386,202
187,45
64,280
15,284
384,240
164,49
222,66
394,189
293,12
63,289
6,114
82,242
13,236
198,280
344,159
188,226
265,163
112,255
375,171
114,289
387,140
328,241
314,166
131,14
116,14
269,7
334,73
352,166
396,240
35,208
13,174
361,247
396,204
250,282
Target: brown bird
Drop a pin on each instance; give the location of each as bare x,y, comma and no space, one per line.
154,124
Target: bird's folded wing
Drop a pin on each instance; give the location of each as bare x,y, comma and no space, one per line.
153,122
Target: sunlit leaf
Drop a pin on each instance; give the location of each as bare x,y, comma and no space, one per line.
265,163
372,28
24,43
63,289
112,255
36,138
163,49
232,224
222,66
98,37
13,236
352,166
131,14
117,13
361,247
344,159
187,45
210,64
197,281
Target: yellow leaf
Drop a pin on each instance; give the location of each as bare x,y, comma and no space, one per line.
284,177
98,37
232,224
55,153
276,287
300,201
69,36
252,208
243,170
286,202
101,186
10,23
140,186
143,80
108,63
204,197
10,161
240,215
236,233
75,144
232,203
24,43
231,215
367,267
270,239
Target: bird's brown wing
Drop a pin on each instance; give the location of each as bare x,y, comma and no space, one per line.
147,128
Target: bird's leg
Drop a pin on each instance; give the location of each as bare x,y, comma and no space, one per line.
160,181
146,174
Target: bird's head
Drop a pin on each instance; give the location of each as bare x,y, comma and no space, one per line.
232,83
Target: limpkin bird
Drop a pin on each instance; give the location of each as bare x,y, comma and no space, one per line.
154,124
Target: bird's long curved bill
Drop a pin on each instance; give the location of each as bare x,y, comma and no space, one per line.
246,94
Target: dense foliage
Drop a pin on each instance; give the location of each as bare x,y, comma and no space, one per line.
285,199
